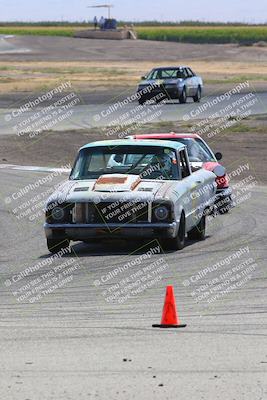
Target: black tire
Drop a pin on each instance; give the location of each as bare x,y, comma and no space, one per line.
157,101
183,96
178,242
142,100
197,96
226,207
199,231
55,245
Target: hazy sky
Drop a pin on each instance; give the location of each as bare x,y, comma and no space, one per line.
171,10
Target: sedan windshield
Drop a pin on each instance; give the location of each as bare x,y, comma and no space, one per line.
146,161
166,73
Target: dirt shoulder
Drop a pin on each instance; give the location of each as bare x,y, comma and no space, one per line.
246,143
68,49
95,65
31,78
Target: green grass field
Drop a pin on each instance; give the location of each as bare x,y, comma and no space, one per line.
205,34
187,34
39,30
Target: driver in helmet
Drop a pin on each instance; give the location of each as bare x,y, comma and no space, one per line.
160,167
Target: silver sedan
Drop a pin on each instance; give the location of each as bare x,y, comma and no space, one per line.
170,83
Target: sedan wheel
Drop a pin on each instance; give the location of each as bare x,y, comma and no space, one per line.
142,100
197,96
183,97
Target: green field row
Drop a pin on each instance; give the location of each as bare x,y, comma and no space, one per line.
188,34
39,30
212,34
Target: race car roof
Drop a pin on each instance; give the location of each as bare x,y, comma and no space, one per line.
166,136
135,142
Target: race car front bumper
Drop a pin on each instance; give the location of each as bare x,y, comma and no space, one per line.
101,231
167,92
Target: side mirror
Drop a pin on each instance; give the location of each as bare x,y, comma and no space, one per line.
143,77
218,156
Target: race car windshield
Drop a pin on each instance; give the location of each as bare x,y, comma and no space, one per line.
146,161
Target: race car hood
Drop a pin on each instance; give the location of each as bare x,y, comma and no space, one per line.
111,187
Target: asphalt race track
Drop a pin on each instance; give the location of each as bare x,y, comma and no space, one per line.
84,116
79,326
74,344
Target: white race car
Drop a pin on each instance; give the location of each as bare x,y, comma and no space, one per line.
131,189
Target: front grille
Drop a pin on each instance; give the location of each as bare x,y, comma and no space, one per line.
111,212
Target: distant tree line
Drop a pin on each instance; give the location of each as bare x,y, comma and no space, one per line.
137,23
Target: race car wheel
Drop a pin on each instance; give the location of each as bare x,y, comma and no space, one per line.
178,242
199,231
197,96
55,245
183,97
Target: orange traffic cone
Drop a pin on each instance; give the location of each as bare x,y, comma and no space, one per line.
170,318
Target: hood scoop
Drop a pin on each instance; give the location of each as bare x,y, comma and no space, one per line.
116,183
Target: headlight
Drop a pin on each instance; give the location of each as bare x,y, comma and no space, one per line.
58,213
161,213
